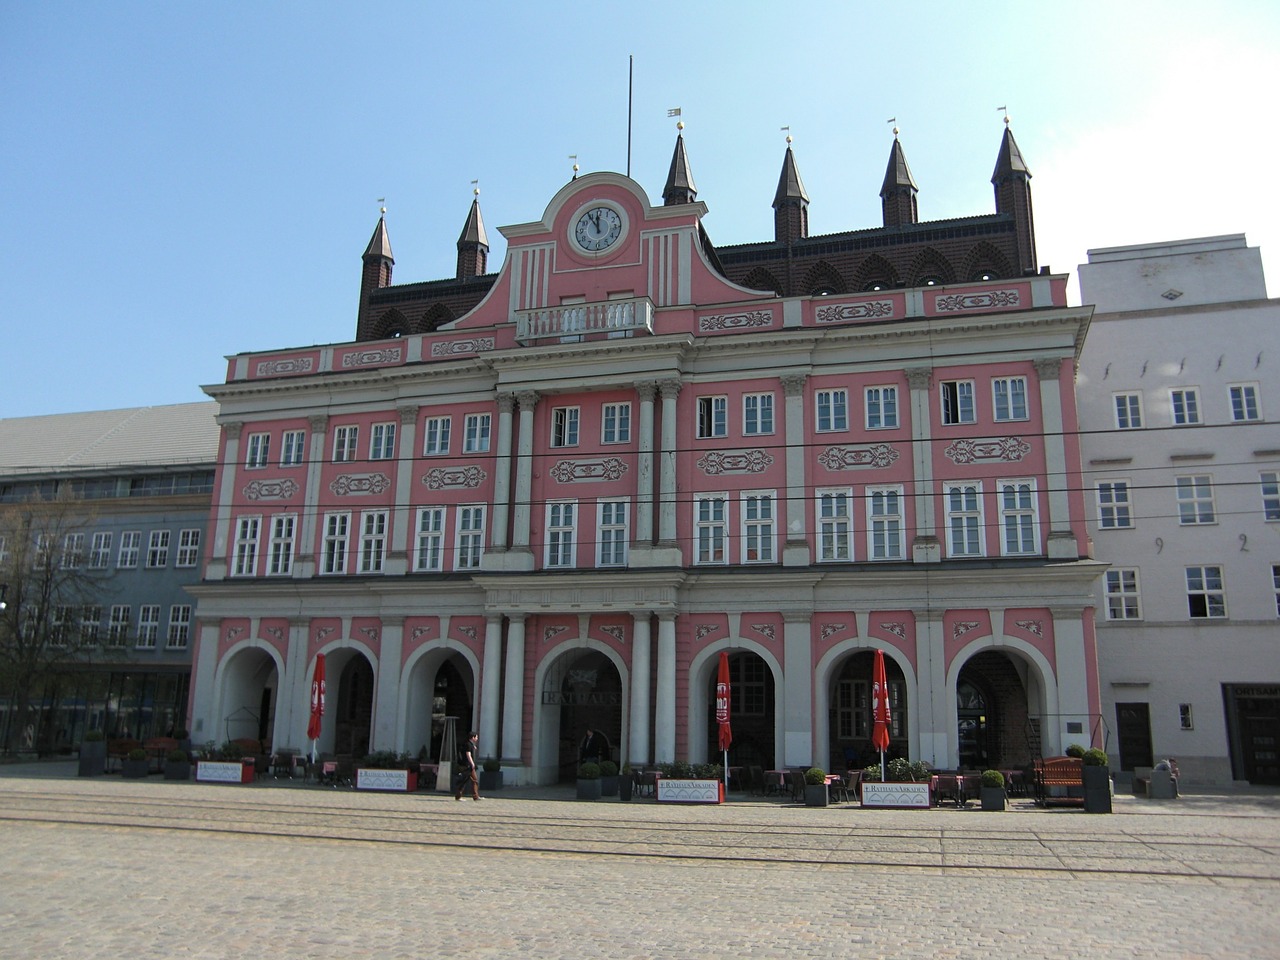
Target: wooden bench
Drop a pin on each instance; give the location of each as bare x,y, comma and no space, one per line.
158,751
119,750
1058,772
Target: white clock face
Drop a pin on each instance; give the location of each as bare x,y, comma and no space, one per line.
598,229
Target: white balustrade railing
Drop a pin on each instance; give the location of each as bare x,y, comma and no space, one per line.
577,320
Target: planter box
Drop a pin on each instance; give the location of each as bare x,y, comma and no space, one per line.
1097,789
224,771
609,786
992,798
177,770
914,795
93,758
401,781
490,780
134,769
690,791
588,789
816,795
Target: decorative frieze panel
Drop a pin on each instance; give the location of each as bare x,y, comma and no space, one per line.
349,484
550,633
846,312
1033,627
270,490
899,630
735,321
443,477
734,461
986,449
705,630
451,348
829,630
860,457
962,627
580,471
322,632
367,358
285,367
985,300
765,630
616,631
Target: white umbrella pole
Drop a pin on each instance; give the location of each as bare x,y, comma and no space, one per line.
726,774
882,766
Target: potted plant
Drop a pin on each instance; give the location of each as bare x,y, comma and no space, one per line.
608,778
1097,782
225,764
387,770
93,754
490,774
626,782
815,787
183,736
589,781
177,765
136,765
905,784
992,795
1074,750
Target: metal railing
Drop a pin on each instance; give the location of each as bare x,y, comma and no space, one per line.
576,321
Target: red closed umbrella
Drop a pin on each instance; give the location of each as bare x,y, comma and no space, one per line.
317,703
880,709
722,712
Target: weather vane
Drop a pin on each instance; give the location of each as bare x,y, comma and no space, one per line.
1005,111
476,187
574,158
894,121
382,204
787,131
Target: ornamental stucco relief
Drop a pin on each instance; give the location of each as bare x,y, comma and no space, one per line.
366,358
582,471
450,348
734,461
270,490
349,484
951,303
443,477
855,458
844,312
1009,449
734,321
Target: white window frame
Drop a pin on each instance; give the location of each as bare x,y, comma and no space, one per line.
957,402
831,410
130,550
1206,586
435,436
1006,403
477,430
188,548
118,625
100,551
1269,483
560,547
1245,407
712,417
757,414
382,441
1127,410
886,522
373,540
1115,507
615,423
90,624
965,524
293,447
428,555
257,449
148,626
158,550
758,520
72,551
613,522
179,633
1194,495
1275,585
1019,517
244,556
1122,592
1184,406
711,529
881,407
566,424
336,543
280,545
833,524
468,544
346,443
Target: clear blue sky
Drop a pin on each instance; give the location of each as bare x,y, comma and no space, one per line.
182,181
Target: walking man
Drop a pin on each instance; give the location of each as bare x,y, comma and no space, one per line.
467,768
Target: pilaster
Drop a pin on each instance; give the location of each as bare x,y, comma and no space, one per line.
795,550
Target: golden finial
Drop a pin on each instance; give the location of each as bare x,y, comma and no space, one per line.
383,203
679,124
1005,111
574,158
475,187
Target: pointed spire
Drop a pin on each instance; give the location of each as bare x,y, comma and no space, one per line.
375,274
680,187
898,192
790,202
1009,163
380,243
897,175
1012,182
790,186
473,243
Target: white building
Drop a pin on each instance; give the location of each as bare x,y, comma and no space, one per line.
1178,399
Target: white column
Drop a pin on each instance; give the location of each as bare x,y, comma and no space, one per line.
513,692
524,471
490,683
204,724
305,568
398,557
1071,666
644,464
1061,541
386,733
502,476
664,722
797,690
217,569
641,655
925,547
293,692
667,476
937,740
795,550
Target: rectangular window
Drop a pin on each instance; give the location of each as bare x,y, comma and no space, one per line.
1009,395
613,533
130,548
1018,517
1195,500
1186,406
148,625
711,529
882,407
1244,402
382,441
470,543
430,553
1123,602
964,520
345,440
158,549
564,427
436,436
1128,411
561,533
758,528
1270,495
280,560
188,548
748,687
713,417
60,625
257,448
1275,584
476,429
957,402
337,528
1113,505
833,410
72,551
118,626
1185,719
757,413
90,624
884,523
615,423
1206,599
373,541
246,548
833,525
292,445
179,627
4,550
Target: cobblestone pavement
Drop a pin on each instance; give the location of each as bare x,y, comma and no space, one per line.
107,868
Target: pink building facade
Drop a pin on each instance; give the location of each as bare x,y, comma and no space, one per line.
556,510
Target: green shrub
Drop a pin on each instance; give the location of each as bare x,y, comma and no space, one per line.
1095,758
230,751
1075,750
899,770
992,778
491,764
176,756
137,753
181,734
815,776
93,736
608,768
589,771
708,771
386,760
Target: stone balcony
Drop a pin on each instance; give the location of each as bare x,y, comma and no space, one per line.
571,322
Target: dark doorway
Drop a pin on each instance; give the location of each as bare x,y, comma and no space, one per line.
450,698
589,694
971,720
751,701
851,719
1133,735
354,713
1253,722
